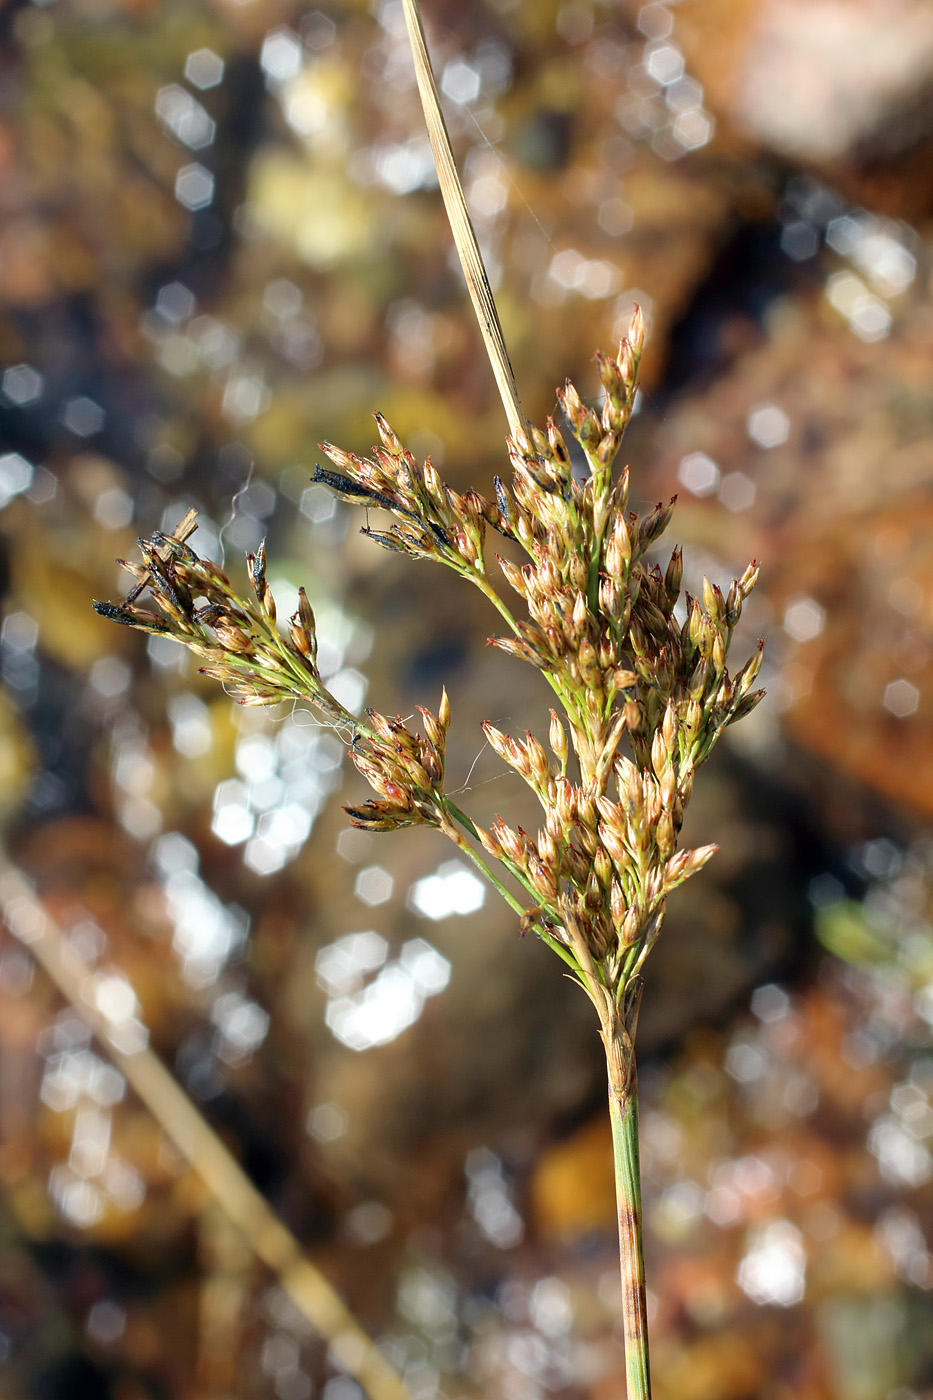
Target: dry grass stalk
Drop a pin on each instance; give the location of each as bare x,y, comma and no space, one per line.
461,225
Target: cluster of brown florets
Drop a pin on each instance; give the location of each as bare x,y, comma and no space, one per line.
405,769
628,663
237,637
626,660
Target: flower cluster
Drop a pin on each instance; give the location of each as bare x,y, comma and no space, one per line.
238,638
437,522
641,677
407,770
628,661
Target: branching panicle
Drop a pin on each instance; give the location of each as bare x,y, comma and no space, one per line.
600,625
642,695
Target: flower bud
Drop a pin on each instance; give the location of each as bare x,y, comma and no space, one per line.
536,758
673,576
489,843
557,738
389,440
602,867
515,577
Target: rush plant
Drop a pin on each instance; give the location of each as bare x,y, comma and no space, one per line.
640,684
640,699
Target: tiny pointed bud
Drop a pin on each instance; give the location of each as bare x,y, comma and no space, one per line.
389,440
628,368
747,704
669,726
673,576
433,484
610,597
636,330
443,712
660,754
514,576
432,728
617,903
536,758
654,524
632,714
749,578
539,442
299,637
497,740
734,600
750,670
433,762
268,602
664,835
489,843
608,445
629,929
557,738
602,867
576,573
305,611
556,442
337,455
719,653
571,403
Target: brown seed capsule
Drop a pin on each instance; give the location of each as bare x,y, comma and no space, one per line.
673,577
609,597
233,638
432,762
300,639
632,712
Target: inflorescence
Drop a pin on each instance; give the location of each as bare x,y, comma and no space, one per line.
600,626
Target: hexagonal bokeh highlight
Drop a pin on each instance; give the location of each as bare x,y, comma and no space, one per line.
698,473
194,186
804,619
204,69
901,698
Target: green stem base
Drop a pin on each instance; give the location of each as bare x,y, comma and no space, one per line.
623,1112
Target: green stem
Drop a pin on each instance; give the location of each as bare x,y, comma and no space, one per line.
480,580
623,1112
450,830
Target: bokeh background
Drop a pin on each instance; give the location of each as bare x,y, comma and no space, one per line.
221,243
